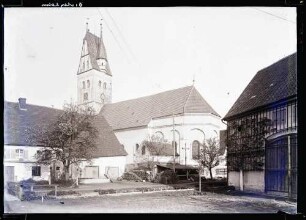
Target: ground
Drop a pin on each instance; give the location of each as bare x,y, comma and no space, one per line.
184,201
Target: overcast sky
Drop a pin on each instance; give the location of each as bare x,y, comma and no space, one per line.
150,50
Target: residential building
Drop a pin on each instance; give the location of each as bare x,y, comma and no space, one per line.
262,132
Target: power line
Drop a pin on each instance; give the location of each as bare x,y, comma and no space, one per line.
274,15
118,29
114,36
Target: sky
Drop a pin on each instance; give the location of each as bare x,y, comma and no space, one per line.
150,50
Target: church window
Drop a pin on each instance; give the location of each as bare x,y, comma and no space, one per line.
195,149
175,145
100,84
104,85
88,83
143,150
83,84
85,96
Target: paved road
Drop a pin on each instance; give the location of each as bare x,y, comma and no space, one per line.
157,202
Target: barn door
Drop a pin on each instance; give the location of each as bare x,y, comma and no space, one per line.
8,174
277,176
91,172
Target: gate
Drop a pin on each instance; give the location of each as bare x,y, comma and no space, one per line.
281,170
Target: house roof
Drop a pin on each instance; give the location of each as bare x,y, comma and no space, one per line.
16,122
96,50
271,84
138,112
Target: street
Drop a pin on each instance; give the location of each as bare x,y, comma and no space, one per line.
157,202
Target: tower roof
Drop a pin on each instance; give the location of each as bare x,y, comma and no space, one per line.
96,50
138,112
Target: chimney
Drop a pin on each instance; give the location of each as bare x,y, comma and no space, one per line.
22,103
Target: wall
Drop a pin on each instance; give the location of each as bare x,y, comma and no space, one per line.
253,181
23,171
104,162
129,138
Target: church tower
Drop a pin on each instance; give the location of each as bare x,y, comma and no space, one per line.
94,77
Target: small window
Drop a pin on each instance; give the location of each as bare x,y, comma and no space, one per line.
100,84
83,66
85,96
87,65
83,84
58,168
88,83
36,171
104,85
137,147
19,153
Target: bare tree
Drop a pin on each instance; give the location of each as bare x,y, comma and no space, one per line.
69,139
153,147
210,154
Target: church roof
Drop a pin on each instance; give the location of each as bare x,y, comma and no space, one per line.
271,84
96,49
16,121
138,112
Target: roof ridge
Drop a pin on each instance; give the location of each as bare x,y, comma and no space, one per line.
41,106
192,87
147,95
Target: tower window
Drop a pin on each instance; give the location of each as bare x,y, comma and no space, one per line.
88,83
104,85
83,66
83,84
85,96
87,64
100,84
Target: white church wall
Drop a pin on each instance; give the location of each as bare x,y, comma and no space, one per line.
129,138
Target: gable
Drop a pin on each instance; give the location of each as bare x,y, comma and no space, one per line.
271,84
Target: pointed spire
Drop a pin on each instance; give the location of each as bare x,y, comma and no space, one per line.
101,48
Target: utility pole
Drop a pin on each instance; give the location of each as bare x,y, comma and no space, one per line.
173,143
185,148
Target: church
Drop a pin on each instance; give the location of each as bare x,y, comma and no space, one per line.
180,116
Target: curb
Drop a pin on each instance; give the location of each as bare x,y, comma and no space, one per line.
96,194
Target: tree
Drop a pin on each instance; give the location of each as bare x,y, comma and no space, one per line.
69,139
210,154
153,147
245,143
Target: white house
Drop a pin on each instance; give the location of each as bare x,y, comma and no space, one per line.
19,160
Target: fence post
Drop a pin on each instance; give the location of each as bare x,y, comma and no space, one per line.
55,190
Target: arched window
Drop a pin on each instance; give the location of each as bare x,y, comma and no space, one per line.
83,84
87,65
143,150
195,150
85,96
104,85
137,147
88,83
100,84
83,66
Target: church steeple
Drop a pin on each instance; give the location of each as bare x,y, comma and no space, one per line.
94,75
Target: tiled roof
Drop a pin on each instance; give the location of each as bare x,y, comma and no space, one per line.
16,122
138,112
269,85
96,49
163,149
